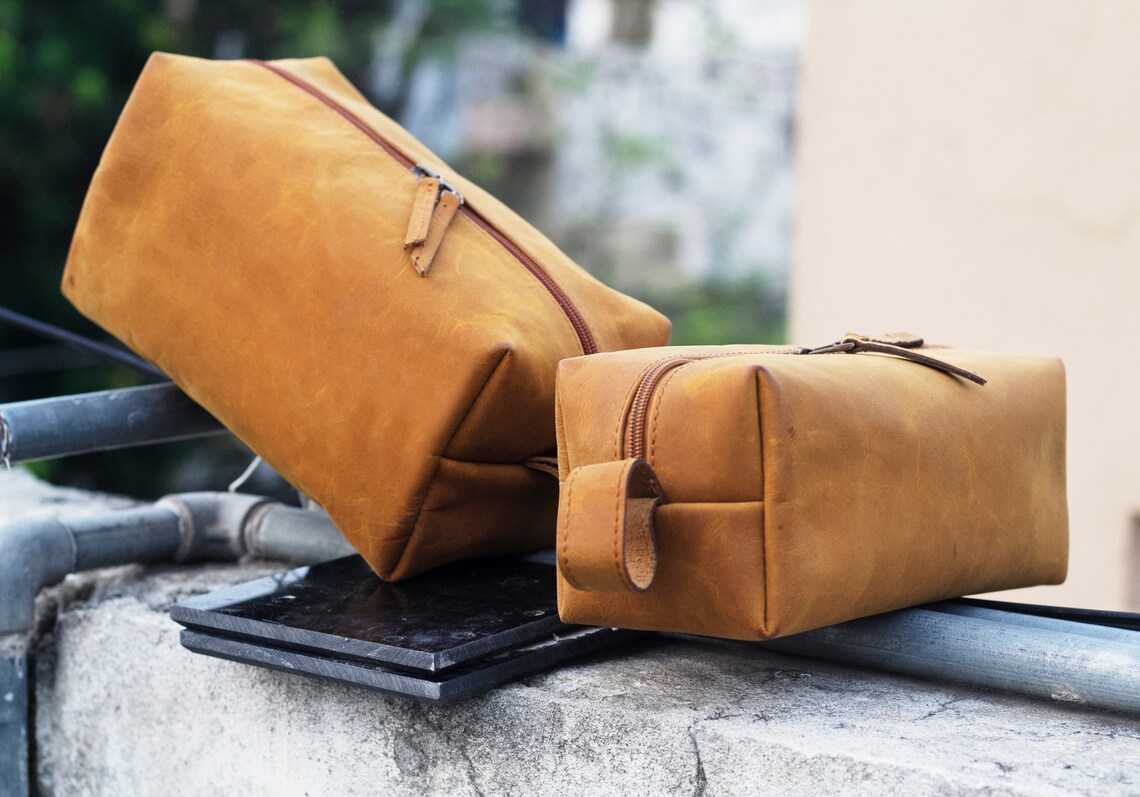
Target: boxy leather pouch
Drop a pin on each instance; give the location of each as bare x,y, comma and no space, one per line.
751,492
382,331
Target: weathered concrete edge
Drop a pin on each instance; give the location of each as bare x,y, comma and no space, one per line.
679,715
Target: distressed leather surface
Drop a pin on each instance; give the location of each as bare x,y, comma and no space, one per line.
250,242
809,490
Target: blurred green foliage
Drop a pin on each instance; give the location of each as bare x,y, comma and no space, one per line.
713,312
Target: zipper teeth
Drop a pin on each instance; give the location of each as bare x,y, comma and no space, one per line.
355,120
638,408
589,345
650,378
581,329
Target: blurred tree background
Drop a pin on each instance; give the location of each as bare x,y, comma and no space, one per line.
66,69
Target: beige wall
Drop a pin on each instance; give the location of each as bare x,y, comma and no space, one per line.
970,170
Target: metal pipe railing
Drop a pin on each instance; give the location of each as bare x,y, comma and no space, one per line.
1066,661
65,425
35,553
1041,623
14,775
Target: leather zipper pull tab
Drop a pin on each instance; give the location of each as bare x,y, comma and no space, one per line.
904,340
445,210
905,349
427,192
435,206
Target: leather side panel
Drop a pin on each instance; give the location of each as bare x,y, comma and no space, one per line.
710,577
245,240
480,509
889,484
703,433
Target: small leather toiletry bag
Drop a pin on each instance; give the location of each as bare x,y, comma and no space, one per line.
751,492
383,332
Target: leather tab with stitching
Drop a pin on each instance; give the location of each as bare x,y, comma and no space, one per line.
427,189
445,211
898,344
606,541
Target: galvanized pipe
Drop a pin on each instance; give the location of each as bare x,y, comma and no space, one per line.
1067,666
66,425
146,534
14,775
306,535
1092,630
38,552
33,553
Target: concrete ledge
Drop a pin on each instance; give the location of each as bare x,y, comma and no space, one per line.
122,709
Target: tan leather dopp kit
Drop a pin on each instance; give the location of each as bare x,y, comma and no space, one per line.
752,492
383,332
388,337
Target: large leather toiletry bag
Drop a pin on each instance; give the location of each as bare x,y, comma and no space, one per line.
752,492
382,331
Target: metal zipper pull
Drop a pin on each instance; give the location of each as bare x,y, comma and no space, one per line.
435,205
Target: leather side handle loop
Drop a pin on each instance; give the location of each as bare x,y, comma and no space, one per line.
606,541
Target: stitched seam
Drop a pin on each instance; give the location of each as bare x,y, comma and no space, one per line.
657,411
335,106
565,563
560,442
566,306
513,463
763,501
430,481
623,477
461,214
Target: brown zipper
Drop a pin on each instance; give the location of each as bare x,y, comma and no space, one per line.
585,336
654,375
647,383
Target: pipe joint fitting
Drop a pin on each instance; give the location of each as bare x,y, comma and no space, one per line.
34,553
211,524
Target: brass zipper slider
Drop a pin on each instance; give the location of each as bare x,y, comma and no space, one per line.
433,209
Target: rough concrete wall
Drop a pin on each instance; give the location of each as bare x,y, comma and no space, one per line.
969,171
122,709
